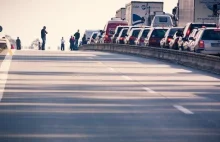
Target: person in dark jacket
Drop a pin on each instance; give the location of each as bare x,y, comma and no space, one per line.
84,39
72,41
43,37
18,43
77,36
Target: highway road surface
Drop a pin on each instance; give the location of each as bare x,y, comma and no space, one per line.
88,96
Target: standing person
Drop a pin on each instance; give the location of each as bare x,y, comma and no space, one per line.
62,44
18,43
72,40
84,39
43,37
77,36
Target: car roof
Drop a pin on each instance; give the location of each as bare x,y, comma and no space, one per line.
160,28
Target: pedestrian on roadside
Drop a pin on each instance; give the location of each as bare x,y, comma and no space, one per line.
62,44
18,43
43,37
77,36
72,41
84,39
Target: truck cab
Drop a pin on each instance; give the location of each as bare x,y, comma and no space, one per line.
162,20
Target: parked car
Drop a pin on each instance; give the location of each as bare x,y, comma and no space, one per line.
154,36
142,35
186,44
164,43
133,35
99,37
88,34
92,38
207,41
4,42
129,30
173,44
110,27
117,32
121,36
188,30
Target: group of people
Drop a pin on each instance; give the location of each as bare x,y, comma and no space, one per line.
74,40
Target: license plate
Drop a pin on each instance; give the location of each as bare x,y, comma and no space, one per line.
215,44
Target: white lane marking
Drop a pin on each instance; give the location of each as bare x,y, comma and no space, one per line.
149,90
111,69
100,63
4,73
126,77
182,109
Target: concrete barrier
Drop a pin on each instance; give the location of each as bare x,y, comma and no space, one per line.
195,60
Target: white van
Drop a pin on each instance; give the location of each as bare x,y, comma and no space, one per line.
162,21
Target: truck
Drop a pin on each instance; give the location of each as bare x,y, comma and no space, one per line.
121,13
142,12
196,11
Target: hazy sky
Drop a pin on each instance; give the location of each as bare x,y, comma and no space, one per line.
25,18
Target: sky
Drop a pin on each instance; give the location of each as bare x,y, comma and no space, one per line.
26,18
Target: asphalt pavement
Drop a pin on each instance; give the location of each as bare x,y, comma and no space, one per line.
89,96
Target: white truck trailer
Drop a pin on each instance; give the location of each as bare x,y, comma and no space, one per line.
196,11
121,13
142,12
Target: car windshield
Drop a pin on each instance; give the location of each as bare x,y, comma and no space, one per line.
173,31
119,30
94,36
158,33
163,19
145,33
124,32
211,34
136,33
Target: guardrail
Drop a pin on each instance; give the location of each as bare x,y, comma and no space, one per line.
194,60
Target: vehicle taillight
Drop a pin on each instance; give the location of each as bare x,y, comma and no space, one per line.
188,32
152,40
169,39
132,38
106,36
201,44
121,38
142,39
